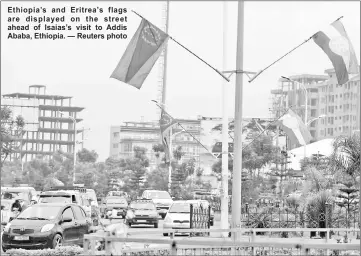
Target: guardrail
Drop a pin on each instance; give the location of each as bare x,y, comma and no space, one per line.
220,246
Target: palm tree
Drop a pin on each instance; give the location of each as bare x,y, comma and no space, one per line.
345,157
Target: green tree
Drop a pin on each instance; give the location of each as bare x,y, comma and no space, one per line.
178,153
158,179
12,130
86,156
348,194
345,157
137,164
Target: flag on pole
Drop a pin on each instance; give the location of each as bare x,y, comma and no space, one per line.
337,45
141,54
294,128
166,122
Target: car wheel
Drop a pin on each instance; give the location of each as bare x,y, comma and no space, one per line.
155,225
129,224
165,234
57,241
106,216
163,216
2,247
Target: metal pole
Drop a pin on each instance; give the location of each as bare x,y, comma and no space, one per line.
74,121
237,159
224,198
170,162
306,112
359,110
165,59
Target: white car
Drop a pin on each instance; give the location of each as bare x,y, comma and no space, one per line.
178,216
162,200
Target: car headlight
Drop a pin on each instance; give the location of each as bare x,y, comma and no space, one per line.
47,227
7,227
168,219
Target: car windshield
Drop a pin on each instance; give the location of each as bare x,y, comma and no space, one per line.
116,201
55,199
159,195
180,208
39,212
142,206
15,195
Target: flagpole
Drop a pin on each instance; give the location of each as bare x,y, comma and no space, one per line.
237,159
165,60
224,199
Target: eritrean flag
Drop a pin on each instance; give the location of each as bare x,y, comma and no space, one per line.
141,54
337,45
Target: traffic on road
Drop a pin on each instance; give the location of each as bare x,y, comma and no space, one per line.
63,215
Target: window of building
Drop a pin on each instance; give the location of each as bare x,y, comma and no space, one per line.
115,145
115,134
313,112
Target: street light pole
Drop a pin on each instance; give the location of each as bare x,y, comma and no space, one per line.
74,122
237,159
224,197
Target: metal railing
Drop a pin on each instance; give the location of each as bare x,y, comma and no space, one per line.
249,245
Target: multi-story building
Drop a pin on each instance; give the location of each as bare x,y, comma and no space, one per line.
125,137
50,122
332,110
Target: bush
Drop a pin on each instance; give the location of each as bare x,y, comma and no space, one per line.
60,251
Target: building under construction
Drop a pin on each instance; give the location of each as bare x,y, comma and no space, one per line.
332,110
50,122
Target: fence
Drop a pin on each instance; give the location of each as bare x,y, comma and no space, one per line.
245,246
200,218
277,215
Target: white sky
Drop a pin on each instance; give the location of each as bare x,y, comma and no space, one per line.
81,68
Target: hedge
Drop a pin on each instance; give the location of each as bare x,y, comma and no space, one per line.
60,251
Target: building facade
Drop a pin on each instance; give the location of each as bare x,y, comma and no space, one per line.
125,137
51,122
332,110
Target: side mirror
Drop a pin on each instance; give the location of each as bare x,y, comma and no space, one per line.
67,219
173,197
33,202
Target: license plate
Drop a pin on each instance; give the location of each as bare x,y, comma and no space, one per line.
21,238
142,221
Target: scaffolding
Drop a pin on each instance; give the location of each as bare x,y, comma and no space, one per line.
46,130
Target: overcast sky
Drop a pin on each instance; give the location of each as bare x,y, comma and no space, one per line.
81,68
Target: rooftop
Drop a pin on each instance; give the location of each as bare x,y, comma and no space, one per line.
35,96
